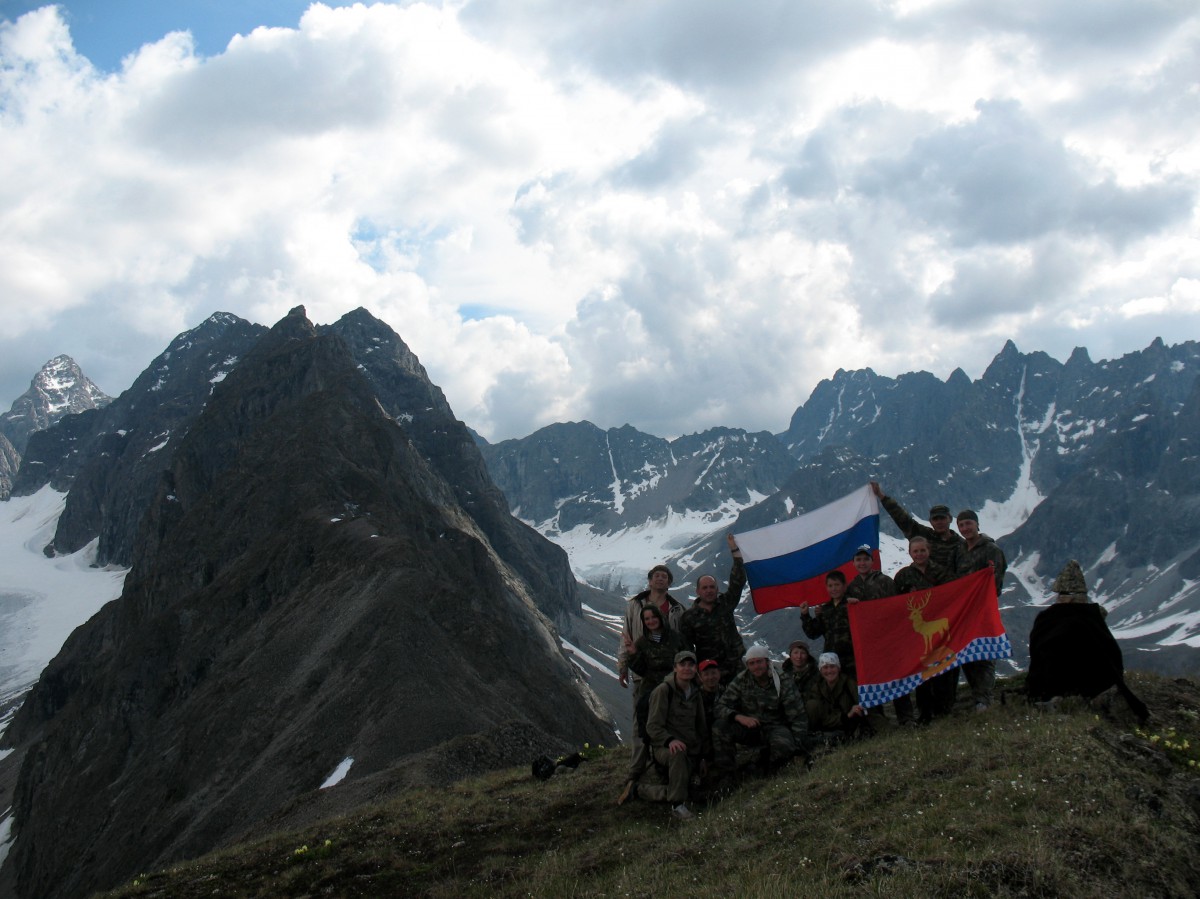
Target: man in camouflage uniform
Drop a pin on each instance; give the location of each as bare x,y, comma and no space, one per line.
870,583
709,624
977,552
832,705
873,584
941,539
935,697
711,689
760,708
831,621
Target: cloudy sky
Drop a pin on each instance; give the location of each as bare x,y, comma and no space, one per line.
671,213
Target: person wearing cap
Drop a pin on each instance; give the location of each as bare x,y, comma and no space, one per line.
976,552
709,625
874,584
871,583
708,673
1071,650
801,666
760,708
833,709
678,735
832,621
935,697
941,539
711,688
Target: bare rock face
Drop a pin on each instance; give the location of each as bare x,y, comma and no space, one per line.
306,588
110,459
10,459
411,399
59,389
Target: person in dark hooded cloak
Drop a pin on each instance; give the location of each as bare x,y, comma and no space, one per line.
1071,650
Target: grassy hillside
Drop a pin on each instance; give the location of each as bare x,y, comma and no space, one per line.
1014,802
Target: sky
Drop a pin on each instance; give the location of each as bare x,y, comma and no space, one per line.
669,213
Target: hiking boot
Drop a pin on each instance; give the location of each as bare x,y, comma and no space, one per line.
682,812
628,792
981,706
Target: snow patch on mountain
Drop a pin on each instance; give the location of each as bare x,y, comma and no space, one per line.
625,556
42,599
1000,518
581,658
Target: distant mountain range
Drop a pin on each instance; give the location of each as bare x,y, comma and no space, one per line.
1096,461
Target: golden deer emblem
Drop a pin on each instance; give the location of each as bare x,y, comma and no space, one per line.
927,629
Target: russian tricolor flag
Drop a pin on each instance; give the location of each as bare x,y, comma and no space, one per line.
786,563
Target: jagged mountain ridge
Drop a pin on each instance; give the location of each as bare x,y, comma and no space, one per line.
292,602
578,483
109,460
409,397
1007,445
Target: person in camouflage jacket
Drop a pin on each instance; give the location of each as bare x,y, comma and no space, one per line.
653,655
832,621
977,552
935,697
833,709
941,539
709,624
870,583
801,666
760,707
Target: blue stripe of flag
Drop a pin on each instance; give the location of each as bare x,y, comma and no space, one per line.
816,559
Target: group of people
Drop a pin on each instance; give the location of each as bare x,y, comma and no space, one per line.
698,693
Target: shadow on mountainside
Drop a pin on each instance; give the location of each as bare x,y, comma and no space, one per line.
1020,801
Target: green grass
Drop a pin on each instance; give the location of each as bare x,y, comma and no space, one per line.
1015,802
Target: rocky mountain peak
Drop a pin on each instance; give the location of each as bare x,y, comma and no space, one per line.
1079,359
59,388
958,379
307,591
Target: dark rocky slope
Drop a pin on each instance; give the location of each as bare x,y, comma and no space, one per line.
110,459
305,589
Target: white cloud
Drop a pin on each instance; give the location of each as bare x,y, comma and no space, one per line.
667,213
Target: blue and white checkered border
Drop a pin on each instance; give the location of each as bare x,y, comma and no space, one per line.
979,649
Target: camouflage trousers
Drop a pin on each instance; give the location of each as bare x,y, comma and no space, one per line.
776,740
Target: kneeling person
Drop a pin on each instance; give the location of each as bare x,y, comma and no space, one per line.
677,733
833,709
760,708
